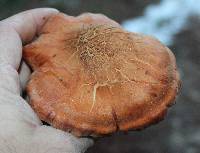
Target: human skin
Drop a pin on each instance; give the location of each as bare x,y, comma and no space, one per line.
21,131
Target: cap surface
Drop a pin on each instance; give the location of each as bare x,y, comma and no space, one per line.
91,77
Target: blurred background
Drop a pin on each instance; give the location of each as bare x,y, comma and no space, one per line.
177,24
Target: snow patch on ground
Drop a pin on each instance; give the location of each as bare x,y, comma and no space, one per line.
165,19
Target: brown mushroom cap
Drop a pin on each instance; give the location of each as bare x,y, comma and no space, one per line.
91,77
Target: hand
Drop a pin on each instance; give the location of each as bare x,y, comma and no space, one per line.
20,129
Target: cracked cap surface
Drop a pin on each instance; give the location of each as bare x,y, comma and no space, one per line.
91,77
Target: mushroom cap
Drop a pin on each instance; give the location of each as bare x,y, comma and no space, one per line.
90,77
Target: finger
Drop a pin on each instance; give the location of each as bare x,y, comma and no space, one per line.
28,23
24,73
9,80
48,139
11,45
10,55
21,130
14,109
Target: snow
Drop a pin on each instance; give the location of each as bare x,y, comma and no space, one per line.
165,19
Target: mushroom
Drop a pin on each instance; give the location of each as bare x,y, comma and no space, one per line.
91,77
